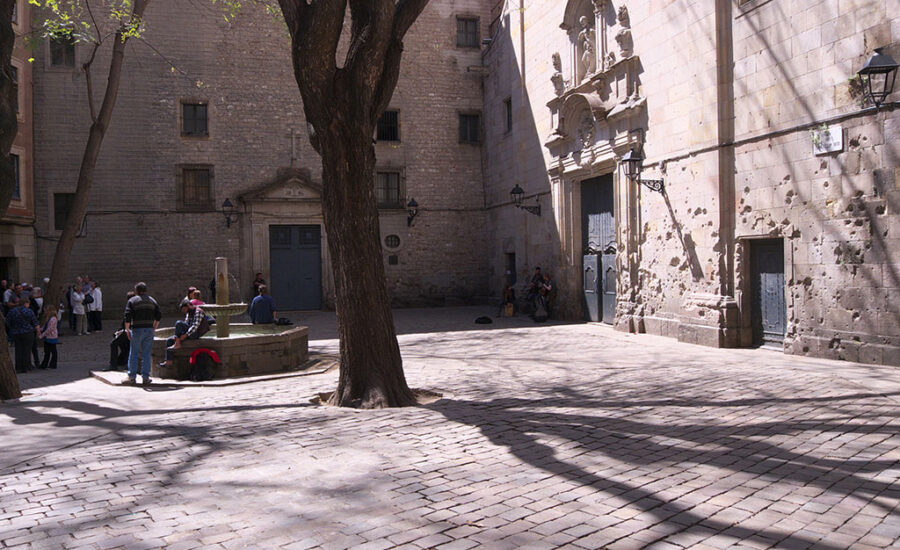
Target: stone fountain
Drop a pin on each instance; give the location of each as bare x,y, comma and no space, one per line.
243,349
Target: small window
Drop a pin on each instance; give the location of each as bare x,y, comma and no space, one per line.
17,192
389,126
469,128
62,205
194,122
196,187
15,77
387,189
15,12
392,241
507,108
467,32
62,52
393,259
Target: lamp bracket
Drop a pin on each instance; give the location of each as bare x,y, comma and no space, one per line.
653,185
536,210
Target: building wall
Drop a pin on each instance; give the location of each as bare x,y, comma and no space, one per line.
134,229
724,98
17,243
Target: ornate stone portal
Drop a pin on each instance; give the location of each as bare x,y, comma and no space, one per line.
597,108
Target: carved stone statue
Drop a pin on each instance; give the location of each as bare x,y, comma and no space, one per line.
622,16
559,83
610,59
623,39
586,40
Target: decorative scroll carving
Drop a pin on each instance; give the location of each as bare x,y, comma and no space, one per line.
559,83
586,130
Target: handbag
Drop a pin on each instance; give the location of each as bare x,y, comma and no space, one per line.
88,299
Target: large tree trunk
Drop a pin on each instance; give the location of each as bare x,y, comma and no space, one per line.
342,105
371,374
9,383
60,268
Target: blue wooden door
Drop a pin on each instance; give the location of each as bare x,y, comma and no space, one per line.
295,261
767,279
592,286
598,230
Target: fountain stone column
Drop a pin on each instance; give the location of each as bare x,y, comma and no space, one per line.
223,325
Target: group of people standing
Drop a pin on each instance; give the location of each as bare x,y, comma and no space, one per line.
23,305
84,302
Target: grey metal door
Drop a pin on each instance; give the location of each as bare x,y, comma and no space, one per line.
592,287
767,277
295,261
598,230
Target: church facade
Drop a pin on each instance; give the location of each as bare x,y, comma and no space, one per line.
766,211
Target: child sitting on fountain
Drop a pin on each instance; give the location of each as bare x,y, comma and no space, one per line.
194,326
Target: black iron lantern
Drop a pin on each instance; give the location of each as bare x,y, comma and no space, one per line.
228,212
878,76
518,194
412,210
633,163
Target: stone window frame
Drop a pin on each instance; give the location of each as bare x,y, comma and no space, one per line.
480,131
20,90
205,206
465,17
401,187
193,101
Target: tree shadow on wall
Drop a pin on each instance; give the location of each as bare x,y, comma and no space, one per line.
687,242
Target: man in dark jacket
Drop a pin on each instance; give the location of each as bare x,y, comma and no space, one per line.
142,316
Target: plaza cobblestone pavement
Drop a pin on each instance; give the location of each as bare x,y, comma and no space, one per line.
557,435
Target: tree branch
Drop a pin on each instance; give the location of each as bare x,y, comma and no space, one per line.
86,67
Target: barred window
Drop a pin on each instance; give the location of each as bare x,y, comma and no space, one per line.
389,126
387,189
467,32
194,191
469,128
194,122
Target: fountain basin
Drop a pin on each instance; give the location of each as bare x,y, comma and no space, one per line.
250,350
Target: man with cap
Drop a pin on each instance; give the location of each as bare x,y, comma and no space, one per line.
194,326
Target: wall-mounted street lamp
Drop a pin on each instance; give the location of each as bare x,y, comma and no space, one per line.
878,76
412,210
633,162
517,194
228,212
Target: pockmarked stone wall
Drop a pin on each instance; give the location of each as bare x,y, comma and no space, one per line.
135,227
751,115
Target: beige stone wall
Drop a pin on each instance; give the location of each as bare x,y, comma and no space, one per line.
732,91
134,230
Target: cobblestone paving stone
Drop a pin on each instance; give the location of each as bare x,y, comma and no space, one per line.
571,436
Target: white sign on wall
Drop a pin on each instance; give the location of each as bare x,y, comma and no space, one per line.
828,140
